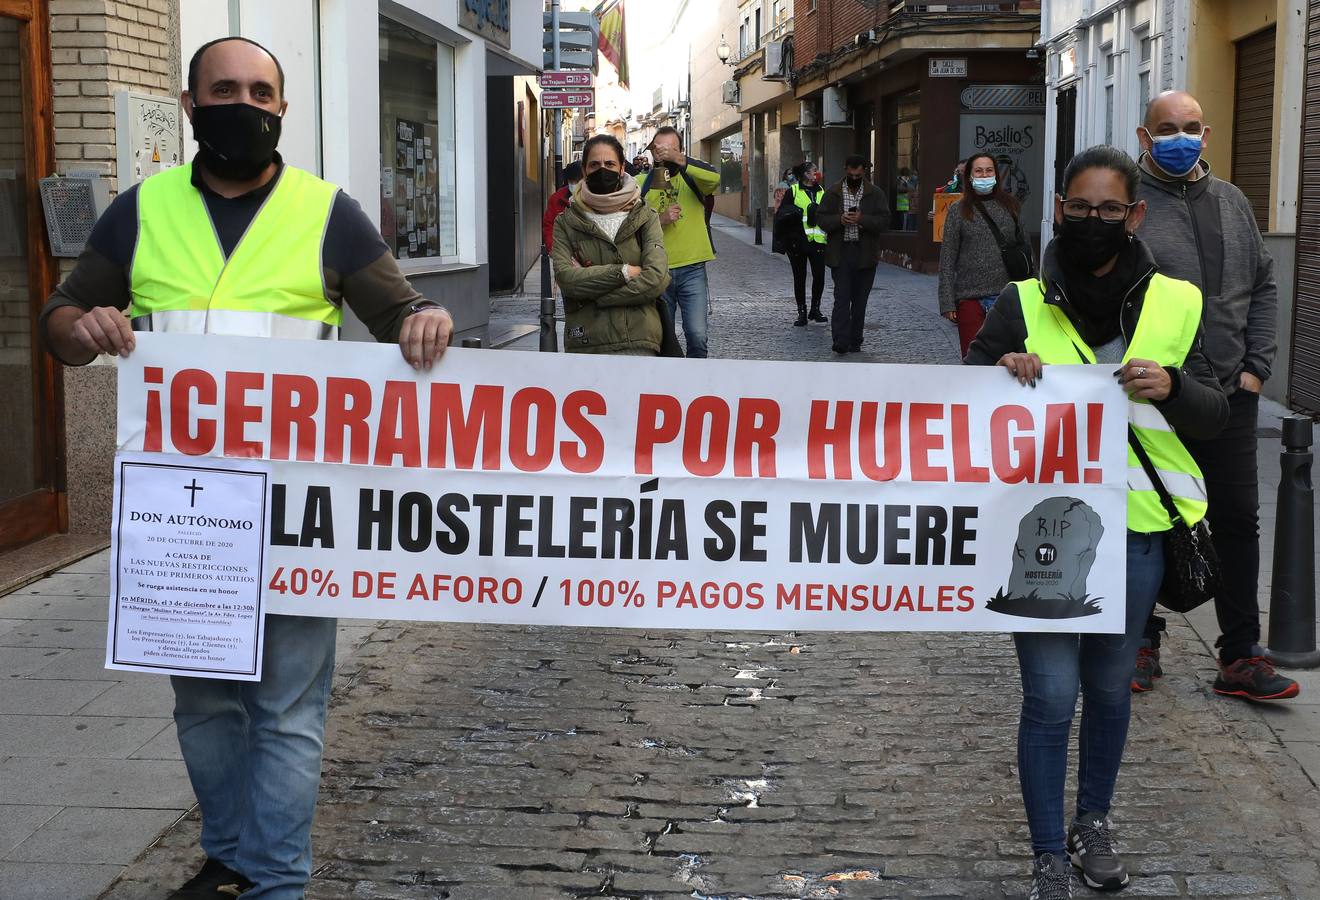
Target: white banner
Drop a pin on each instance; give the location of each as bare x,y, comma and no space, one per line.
657,493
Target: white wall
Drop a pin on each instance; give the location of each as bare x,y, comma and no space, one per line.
285,28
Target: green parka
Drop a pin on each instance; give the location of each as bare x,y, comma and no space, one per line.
605,312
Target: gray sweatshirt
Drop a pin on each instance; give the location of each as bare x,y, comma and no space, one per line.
1203,231
971,265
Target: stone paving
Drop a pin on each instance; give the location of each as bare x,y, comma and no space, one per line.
482,762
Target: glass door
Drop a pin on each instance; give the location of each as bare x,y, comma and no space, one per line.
31,505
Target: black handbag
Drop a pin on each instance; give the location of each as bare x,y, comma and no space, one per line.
1192,573
1015,253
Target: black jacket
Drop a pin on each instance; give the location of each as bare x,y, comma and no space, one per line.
789,237
875,215
1196,405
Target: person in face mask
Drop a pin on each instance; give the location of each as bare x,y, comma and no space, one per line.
279,252
852,214
610,262
1101,299
1202,229
972,268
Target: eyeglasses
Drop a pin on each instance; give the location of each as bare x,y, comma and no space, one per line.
1109,211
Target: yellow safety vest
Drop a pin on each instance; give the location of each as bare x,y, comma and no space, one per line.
272,285
1164,333
802,200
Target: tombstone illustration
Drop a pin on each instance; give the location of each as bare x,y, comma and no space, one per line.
1052,558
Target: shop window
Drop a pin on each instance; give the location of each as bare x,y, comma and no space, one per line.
905,156
418,190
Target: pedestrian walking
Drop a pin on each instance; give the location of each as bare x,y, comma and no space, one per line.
609,260
558,202
1206,234
1101,299
677,188
852,214
972,270
274,252
797,235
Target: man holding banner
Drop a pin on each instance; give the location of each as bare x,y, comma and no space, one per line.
238,243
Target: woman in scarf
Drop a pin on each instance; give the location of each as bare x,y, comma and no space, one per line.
1100,299
609,259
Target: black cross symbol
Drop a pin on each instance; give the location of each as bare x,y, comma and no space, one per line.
193,488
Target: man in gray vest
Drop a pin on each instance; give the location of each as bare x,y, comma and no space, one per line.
1201,229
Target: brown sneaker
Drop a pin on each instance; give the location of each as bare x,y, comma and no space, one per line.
1254,678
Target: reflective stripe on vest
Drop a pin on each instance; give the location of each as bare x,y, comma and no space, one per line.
272,285
1170,316
801,199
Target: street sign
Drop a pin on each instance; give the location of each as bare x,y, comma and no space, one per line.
567,99
565,79
948,68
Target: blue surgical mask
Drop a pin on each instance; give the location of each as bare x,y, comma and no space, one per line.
983,185
1176,154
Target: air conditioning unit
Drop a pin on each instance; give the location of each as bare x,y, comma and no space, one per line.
731,93
808,115
774,62
834,107
863,38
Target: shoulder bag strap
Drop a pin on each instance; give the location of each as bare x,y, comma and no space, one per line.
1149,467
1165,500
999,235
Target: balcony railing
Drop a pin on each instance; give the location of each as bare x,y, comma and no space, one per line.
963,7
779,31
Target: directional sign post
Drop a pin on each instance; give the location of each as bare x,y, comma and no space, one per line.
566,79
567,100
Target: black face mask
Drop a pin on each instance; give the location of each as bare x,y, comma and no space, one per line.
1090,243
604,181
236,141
854,183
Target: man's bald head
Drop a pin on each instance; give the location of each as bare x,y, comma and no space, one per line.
1173,111
235,51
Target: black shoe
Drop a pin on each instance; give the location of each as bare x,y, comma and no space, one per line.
1254,678
1147,668
1091,849
215,881
801,319
1051,879
856,349
815,315
840,350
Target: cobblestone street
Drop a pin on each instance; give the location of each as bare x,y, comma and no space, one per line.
481,762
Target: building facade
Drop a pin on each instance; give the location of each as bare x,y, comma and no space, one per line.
916,87
63,66
433,126
765,100
1106,60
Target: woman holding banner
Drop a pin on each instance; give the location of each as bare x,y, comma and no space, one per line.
972,271
609,258
1100,299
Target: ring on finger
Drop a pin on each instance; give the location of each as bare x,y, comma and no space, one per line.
1141,371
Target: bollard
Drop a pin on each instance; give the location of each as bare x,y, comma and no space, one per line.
472,343
758,227
549,339
1292,593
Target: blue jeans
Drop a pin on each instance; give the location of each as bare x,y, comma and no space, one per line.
253,751
688,292
1052,666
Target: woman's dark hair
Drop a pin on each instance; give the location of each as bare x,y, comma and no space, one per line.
607,139
800,170
999,195
1103,156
